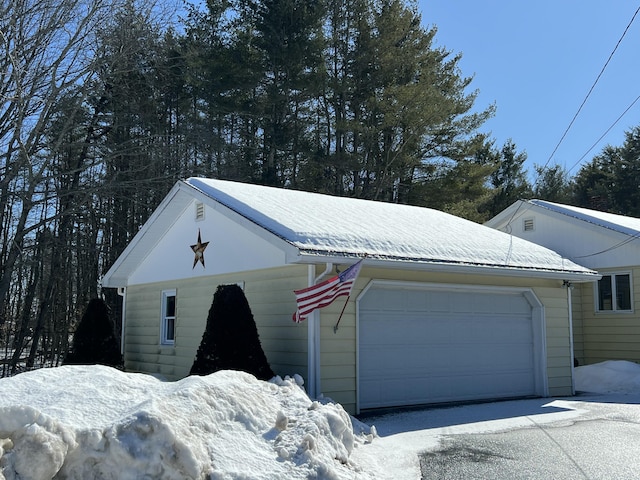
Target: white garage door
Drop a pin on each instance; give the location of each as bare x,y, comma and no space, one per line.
430,345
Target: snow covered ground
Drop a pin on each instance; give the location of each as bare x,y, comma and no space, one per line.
94,422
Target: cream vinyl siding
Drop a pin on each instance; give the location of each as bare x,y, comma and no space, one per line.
338,350
339,357
270,297
611,335
559,359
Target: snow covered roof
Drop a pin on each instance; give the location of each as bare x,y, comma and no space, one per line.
323,226
611,221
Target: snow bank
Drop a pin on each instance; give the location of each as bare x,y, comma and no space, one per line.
612,376
89,422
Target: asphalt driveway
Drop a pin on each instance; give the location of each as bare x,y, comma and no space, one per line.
584,437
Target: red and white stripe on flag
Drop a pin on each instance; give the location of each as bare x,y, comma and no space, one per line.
324,293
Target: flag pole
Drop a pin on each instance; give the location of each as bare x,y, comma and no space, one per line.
335,328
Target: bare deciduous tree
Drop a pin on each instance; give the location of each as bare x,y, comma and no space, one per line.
45,57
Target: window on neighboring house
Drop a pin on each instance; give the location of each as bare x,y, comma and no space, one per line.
614,293
168,318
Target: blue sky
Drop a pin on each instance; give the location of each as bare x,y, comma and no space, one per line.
537,61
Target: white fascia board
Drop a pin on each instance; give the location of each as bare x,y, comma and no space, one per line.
173,204
465,269
587,224
513,211
292,253
567,217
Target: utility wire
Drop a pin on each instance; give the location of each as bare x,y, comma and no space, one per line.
613,247
604,134
589,93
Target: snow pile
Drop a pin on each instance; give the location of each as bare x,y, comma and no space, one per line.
94,422
89,422
612,376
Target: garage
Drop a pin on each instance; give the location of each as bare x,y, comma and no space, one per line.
432,343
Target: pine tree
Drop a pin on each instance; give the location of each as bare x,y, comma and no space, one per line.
399,104
627,172
94,341
289,43
553,184
509,179
610,181
230,340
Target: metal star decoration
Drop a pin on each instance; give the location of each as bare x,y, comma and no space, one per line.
198,250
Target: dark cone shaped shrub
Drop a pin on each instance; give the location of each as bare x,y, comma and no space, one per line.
95,341
230,340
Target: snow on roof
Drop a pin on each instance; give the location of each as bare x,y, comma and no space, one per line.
618,223
337,226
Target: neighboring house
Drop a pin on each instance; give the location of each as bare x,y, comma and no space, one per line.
443,310
606,314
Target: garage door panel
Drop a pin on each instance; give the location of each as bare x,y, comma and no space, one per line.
451,360
393,329
429,346
437,303
413,391
495,329
399,361
386,300
414,303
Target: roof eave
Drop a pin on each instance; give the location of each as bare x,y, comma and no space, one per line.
290,250
453,267
117,276
506,216
118,273
566,213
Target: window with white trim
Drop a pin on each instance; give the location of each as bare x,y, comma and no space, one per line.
168,318
613,293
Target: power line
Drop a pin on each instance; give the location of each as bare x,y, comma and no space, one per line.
604,134
590,91
613,247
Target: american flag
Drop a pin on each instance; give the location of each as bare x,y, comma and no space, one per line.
324,293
